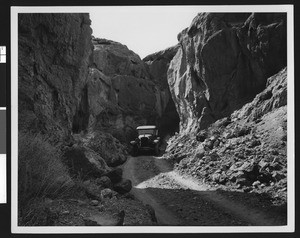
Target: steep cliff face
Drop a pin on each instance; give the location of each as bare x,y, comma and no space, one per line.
223,61
121,94
158,64
53,58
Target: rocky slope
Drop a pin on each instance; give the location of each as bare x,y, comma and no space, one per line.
223,61
246,151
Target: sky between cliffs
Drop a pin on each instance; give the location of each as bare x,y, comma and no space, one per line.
143,29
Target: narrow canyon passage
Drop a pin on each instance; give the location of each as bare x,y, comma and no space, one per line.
183,201
218,97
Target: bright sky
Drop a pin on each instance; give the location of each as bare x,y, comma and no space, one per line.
143,29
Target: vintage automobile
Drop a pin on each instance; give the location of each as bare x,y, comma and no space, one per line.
147,140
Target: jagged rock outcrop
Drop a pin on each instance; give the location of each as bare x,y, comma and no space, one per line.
53,57
223,61
158,64
113,58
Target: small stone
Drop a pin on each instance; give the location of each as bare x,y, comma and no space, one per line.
86,183
254,143
94,202
256,183
216,143
200,162
123,187
201,136
263,164
100,208
243,182
278,176
224,167
275,166
213,138
247,189
106,193
48,200
276,159
274,152
283,189
65,212
215,177
104,181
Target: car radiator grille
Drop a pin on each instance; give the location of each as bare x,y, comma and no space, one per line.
144,142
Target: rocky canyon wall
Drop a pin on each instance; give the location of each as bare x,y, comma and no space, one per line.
158,64
125,92
223,61
71,82
53,58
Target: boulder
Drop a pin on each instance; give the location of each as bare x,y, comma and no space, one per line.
84,162
115,175
113,58
106,193
123,186
109,148
104,182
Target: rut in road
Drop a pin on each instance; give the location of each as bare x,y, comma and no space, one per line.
179,200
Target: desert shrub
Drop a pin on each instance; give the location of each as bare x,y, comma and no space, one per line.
41,172
35,213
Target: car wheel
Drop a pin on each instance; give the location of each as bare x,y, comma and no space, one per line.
134,151
156,150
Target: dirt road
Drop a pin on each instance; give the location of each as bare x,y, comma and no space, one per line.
183,201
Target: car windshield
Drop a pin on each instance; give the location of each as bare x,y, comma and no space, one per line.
147,131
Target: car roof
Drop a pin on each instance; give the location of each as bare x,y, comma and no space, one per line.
146,127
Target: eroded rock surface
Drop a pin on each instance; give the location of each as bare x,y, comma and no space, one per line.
223,61
158,64
54,52
121,94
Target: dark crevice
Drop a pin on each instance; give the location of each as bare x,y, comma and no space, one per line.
81,117
169,121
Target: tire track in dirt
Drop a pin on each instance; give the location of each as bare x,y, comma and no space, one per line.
179,200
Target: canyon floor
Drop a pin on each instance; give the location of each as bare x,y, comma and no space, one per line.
160,196
183,201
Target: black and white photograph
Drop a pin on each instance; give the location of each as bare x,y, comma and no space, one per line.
152,118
